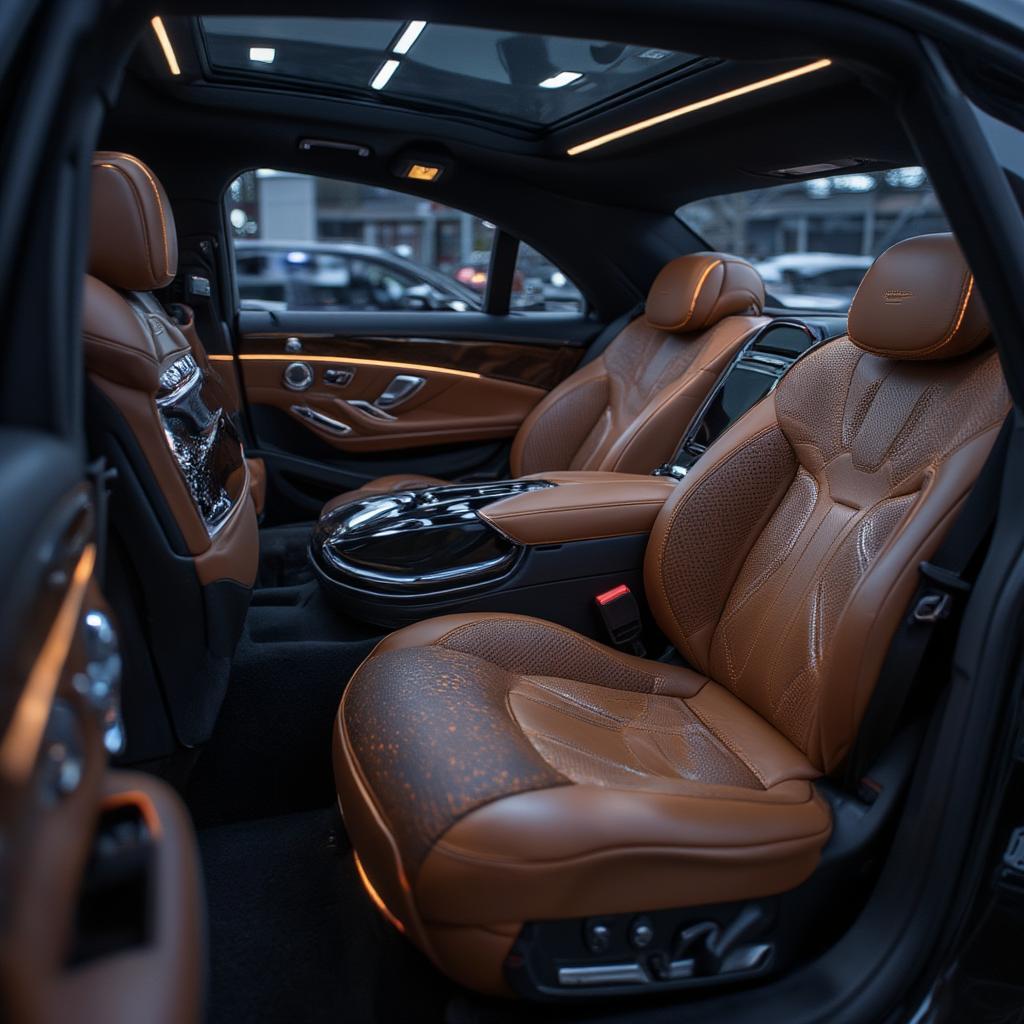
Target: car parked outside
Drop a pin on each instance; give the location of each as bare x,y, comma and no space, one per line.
338,276
814,280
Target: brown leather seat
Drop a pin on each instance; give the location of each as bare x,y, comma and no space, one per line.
627,410
495,770
129,339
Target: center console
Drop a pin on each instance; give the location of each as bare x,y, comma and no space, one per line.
541,546
544,545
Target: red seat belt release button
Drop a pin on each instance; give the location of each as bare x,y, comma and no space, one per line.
620,614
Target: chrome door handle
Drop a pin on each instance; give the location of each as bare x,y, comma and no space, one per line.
327,422
370,408
402,387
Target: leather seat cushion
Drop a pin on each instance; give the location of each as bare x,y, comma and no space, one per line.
497,769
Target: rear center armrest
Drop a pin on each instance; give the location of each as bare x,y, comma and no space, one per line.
584,506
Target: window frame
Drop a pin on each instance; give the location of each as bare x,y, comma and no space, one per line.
496,299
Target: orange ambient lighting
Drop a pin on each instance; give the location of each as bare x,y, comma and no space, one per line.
711,101
423,172
165,44
359,362
374,895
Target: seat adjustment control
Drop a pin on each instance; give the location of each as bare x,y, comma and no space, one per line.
338,376
641,932
597,936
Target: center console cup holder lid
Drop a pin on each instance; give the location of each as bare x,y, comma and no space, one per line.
416,541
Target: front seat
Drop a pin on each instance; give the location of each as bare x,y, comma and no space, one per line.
495,770
627,409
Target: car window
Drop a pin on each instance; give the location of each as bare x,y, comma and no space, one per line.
538,285
813,240
309,243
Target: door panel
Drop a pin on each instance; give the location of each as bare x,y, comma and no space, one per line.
448,406
313,382
78,838
531,363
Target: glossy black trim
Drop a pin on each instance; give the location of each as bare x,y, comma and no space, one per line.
423,541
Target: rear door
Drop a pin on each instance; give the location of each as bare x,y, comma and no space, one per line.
387,350
100,913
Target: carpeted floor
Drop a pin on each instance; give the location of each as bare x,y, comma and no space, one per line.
293,936
270,753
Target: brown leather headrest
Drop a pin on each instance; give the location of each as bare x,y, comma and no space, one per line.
133,245
694,292
919,301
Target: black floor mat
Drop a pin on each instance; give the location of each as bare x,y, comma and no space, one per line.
293,936
270,753
284,559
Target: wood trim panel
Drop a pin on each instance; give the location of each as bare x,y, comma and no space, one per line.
538,366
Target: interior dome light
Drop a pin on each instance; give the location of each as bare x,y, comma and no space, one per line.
562,79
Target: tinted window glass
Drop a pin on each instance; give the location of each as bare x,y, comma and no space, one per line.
309,243
540,286
812,241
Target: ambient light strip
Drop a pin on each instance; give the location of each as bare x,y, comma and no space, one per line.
722,97
165,44
375,896
298,357
20,745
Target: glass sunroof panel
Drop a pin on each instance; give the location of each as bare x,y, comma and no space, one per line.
514,76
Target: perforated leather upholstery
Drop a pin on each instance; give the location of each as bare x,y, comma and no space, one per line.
598,783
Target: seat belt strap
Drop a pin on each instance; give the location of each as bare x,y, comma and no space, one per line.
943,584
609,334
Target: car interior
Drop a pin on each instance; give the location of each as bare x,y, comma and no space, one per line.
533,649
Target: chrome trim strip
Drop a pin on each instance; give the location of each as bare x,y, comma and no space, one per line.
194,378
603,974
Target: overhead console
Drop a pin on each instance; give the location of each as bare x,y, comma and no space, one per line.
546,545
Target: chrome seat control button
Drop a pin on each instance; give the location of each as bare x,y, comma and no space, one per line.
641,933
100,683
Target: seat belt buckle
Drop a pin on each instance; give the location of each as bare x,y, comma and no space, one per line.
933,606
936,603
620,614
1010,874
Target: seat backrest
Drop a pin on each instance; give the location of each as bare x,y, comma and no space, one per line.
184,538
782,564
627,410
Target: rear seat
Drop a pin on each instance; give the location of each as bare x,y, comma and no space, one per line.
626,410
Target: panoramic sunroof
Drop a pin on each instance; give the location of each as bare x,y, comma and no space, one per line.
534,79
